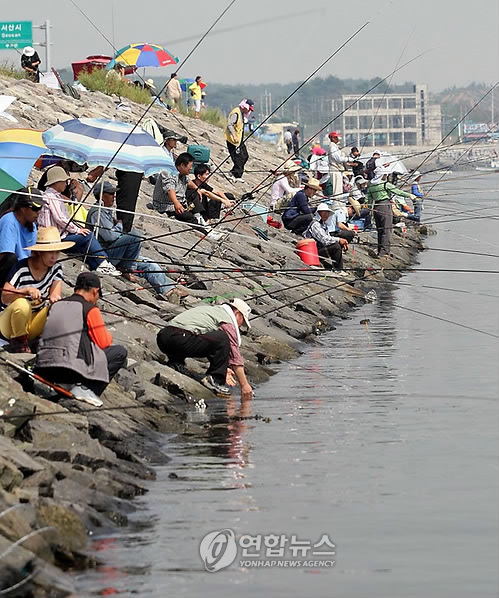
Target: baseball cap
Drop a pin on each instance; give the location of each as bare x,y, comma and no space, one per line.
335,134
29,197
106,188
87,281
244,310
169,134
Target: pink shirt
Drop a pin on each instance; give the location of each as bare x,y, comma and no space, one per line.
55,213
235,357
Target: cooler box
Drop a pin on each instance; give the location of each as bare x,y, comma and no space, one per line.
200,153
358,224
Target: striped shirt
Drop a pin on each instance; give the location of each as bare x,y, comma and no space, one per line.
21,277
165,182
55,213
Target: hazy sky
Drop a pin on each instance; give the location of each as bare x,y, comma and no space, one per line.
291,38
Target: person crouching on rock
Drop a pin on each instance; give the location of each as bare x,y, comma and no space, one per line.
329,248
210,331
31,282
299,213
75,347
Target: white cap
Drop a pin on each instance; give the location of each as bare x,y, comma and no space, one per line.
243,308
324,207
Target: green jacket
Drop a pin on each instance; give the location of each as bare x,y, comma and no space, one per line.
383,191
203,318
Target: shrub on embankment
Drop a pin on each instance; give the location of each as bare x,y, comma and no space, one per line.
7,69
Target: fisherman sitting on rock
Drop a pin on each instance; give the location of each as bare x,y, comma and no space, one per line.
210,331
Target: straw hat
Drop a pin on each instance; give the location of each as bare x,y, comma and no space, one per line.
56,174
290,166
313,184
49,239
355,205
150,83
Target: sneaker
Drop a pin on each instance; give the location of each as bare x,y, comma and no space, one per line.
84,394
341,273
218,389
179,367
108,268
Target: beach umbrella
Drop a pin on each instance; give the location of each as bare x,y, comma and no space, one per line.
19,149
393,163
143,55
99,142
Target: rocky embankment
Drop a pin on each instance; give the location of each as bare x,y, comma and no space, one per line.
68,473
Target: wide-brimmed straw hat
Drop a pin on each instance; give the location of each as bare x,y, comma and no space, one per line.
313,184
150,83
49,239
355,205
290,166
56,174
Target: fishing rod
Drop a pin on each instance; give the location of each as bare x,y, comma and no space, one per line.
327,125
146,110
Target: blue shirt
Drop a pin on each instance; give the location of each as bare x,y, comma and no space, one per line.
14,237
297,206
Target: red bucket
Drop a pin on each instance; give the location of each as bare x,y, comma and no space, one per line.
307,251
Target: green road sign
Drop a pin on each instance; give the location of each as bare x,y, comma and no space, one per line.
15,34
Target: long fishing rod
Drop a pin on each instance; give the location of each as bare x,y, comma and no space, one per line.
328,124
153,100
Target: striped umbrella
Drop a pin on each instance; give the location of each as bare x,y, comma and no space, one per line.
98,142
142,55
19,149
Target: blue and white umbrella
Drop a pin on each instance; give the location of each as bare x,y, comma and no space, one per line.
99,142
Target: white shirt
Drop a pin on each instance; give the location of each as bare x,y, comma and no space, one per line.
319,164
336,157
287,136
339,215
280,188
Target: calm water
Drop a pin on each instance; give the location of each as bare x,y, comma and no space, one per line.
385,439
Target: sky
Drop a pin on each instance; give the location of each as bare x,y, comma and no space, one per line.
282,40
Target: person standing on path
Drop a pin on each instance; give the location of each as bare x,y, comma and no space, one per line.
197,95
296,140
234,136
378,196
173,93
337,162
288,140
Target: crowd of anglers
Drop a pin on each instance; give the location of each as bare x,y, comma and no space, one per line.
68,334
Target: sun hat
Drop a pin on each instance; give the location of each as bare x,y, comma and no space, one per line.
318,151
290,166
334,134
29,197
106,188
150,83
415,175
324,207
243,308
313,184
29,51
87,281
56,174
355,205
49,239
360,180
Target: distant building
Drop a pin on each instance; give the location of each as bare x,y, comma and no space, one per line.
391,119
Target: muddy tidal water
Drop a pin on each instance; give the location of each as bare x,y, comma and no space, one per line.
382,437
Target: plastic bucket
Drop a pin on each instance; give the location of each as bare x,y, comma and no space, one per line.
307,251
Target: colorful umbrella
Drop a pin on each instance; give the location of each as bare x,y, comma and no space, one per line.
184,83
19,149
100,142
142,55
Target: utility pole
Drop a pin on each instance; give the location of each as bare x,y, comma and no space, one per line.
46,27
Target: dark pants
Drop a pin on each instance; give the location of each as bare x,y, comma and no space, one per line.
299,224
331,252
126,196
178,344
7,261
383,216
116,359
87,244
289,147
349,235
365,213
239,156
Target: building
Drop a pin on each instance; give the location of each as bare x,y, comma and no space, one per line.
391,119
